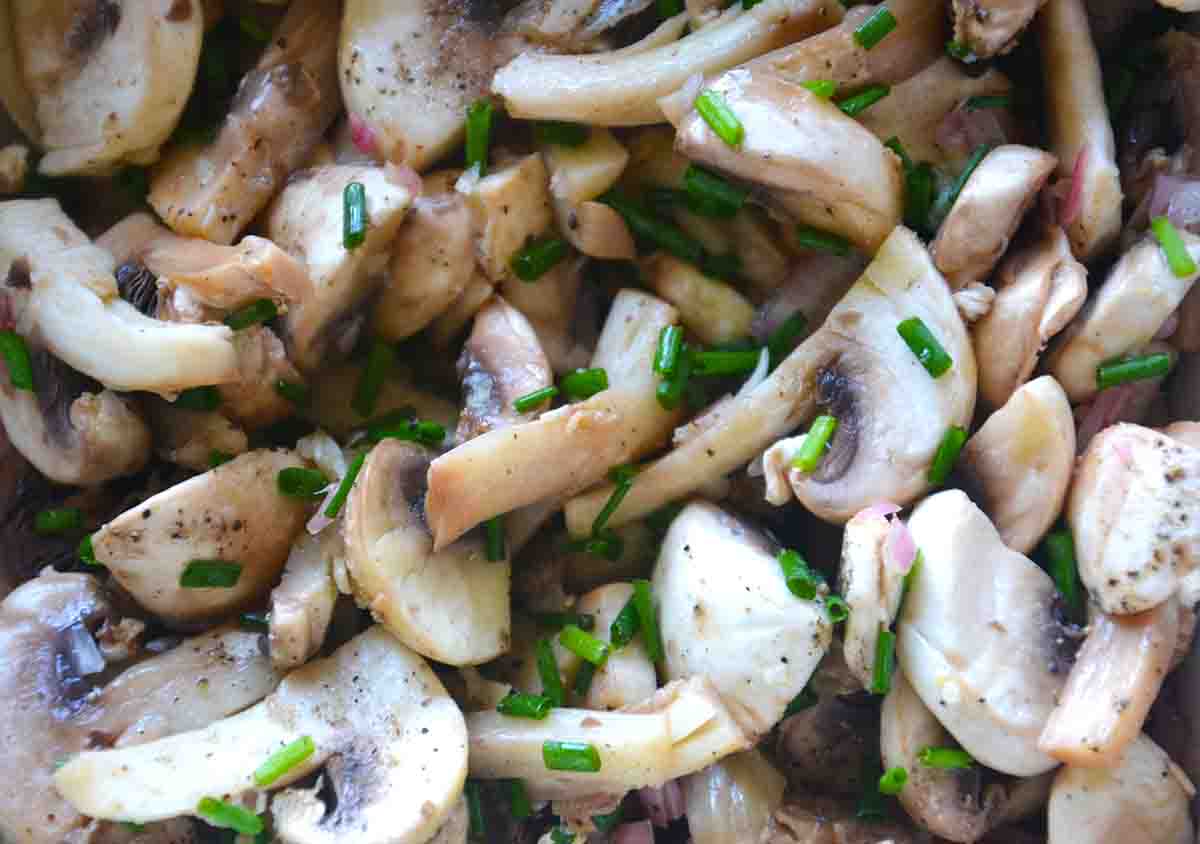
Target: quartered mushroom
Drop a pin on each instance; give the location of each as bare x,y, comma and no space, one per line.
990,27
231,515
627,676
726,614
1019,462
732,801
984,661
871,582
392,742
302,603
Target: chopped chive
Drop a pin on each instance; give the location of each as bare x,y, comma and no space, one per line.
284,760
909,578
670,390
479,134
560,132
518,799
216,458
380,361
256,312
623,474
855,105
577,756
925,346
258,621
666,353
725,363
58,520
893,780
1059,548
301,482
668,8
494,541
643,601
946,758
536,259
816,442
559,620
473,796
583,678
1178,256
720,117
607,823
881,674
918,196
584,383
547,666
724,266
606,544
521,705
823,88
805,700
134,827
747,5
584,645
820,241
16,357
982,101
224,815
800,579
86,553
354,215
893,143
294,391
958,50
837,608
558,835
947,455
344,487
786,337
712,195
945,200
625,626
666,236
623,485
398,425
199,398
870,805
875,28
210,574
530,401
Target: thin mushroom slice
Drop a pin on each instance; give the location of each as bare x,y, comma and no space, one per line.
302,603
984,661
393,742
451,604
872,584
990,27
731,802
726,614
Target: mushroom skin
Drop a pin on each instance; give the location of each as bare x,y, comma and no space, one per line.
871,586
827,746
1134,516
990,28
732,801
302,603
982,660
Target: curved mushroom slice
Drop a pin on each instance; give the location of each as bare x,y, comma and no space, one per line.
872,585
824,167
333,391
302,603
856,366
1139,295
622,88
306,221
1135,517
1116,677
392,739
231,514
1039,291
450,604
1144,797
1020,462
281,110
684,727
627,676
732,801
982,660
990,27
1080,134
726,614
109,80
987,212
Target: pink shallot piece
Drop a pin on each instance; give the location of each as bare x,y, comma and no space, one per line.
901,548
1073,203
362,135
880,509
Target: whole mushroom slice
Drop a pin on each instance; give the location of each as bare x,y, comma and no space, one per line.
302,603
990,27
282,108
856,367
233,514
393,743
627,676
732,801
1020,460
1038,291
976,232
622,88
822,167
984,661
451,604
1133,511
726,614
871,582
109,80
1143,797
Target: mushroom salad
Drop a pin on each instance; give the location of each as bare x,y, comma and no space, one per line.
599,421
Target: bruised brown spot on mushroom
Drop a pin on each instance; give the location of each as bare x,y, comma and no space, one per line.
19,274
92,25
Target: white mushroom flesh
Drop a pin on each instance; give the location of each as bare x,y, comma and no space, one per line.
871,582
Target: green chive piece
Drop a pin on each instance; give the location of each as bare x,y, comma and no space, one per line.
918,197
607,823
258,621
725,363
820,241
583,678
473,795
547,666
816,442
584,383
284,760
294,391
875,28
343,490
622,477
584,645
909,579
893,780
870,805
750,4
494,539
982,101
530,401
521,705
855,105
380,361
712,195
606,544
885,649
643,601
354,215
670,390
1178,256
518,799
837,608
666,236
669,8
559,620
560,133
801,580
945,201
399,425
224,815
805,700
58,520
558,835
625,626
577,756
134,827
893,143
1059,548
256,312
946,758
210,574
301,482
479,134
823,88
958,50
787,336
925,346
86,553
216,458
666,353
720,117
536,259
16,357
199,398
947,455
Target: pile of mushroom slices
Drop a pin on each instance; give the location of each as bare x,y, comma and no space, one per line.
431,421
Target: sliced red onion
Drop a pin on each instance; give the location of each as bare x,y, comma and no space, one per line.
664,803
1073,203
901,548
319,520
362,135
880,509
634,833
82,650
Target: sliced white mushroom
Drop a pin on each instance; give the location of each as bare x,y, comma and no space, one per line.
627,676
392,741
714,310
871,584
983,660
302,603
578,175
731,802
254,401
190,437
509,206
561,309
990,27
449,325
231,514
333,388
